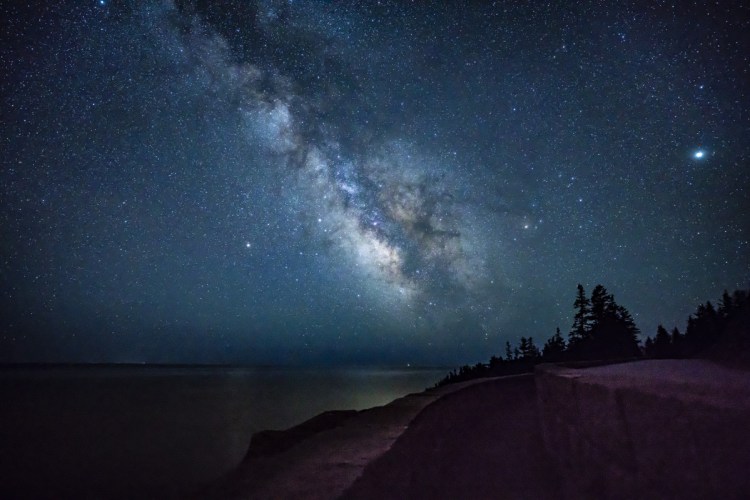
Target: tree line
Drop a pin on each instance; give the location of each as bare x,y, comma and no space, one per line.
604,330
721,332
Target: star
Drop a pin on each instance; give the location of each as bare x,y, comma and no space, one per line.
699,154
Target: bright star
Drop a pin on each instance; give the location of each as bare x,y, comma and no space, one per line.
699,154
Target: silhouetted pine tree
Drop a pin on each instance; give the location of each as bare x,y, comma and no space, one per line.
523,347
612,333
582,306
703,329
734,342
648,347
662,343
529,351
725,305
728,326
676,336
623,315
601,306
554,348
495,362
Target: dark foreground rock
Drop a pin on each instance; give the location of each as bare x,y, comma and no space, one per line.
648,429
269,443
481,442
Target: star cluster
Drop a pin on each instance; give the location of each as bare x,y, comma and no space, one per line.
338,182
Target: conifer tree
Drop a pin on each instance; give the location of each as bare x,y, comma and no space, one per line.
623,315
662,343
523,347
600,306
554,348
580,328
530,352
725,305
648,347
612,333
704,328
676,336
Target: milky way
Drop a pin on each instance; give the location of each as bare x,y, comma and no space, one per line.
370,182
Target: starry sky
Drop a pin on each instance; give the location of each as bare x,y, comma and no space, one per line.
345,182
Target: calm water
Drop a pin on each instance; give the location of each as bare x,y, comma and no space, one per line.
155,432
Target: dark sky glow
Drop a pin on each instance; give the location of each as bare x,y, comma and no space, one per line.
362,182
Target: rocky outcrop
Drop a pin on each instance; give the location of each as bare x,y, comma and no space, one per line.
648,429
481,442
268,443
321,458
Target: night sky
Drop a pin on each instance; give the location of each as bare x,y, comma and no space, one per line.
292,182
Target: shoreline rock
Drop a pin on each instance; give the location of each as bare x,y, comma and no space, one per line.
322,457
563,432
271,442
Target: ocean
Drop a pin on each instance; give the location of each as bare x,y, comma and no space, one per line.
157,432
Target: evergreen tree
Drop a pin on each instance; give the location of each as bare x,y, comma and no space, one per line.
740,299
725,305
523,347
495,362
529,351
703,329
734,341
611,309
648,347
580,328
613,332
554,348
677,337
508,352
662,343
600,306
623,316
